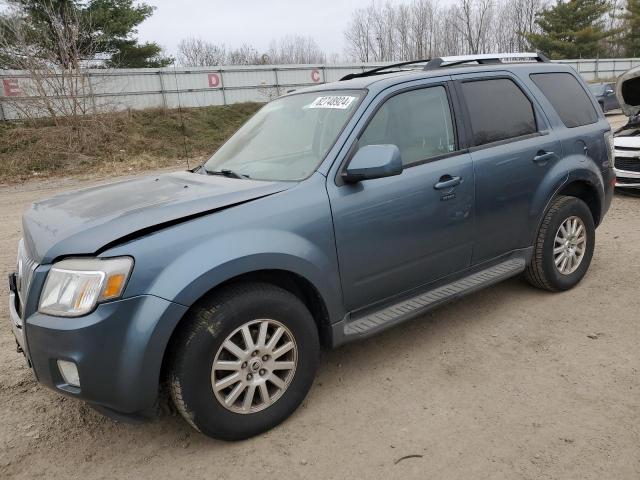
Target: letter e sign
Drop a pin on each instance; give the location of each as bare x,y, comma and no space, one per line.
10,87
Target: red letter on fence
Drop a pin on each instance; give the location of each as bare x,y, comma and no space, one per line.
10,87
214,80
315,75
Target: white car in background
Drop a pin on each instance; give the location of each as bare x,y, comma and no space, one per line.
627,138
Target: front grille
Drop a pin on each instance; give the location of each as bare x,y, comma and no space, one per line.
26,269
627,181
628,164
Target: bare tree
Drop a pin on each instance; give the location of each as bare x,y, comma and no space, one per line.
419,29
246,55
295,49
423,29
57,84
472,21
196,52
335,58
358,37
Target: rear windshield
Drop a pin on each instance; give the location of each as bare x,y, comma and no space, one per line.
567,97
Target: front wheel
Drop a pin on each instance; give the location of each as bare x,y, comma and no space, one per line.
244,361
564,246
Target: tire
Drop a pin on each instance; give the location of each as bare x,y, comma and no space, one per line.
542,271
199,343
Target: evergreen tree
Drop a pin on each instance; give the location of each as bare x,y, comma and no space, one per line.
631,37
572,29
101,30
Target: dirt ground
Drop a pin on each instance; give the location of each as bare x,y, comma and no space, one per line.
508,383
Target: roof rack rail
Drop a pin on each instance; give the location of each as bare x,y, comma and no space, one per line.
380,70
483,59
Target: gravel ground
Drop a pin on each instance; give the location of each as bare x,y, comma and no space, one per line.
508,383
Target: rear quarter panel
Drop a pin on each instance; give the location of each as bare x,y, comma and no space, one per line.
584,153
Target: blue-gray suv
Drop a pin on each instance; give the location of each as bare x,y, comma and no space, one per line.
334,213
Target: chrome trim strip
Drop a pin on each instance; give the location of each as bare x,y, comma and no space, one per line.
626,174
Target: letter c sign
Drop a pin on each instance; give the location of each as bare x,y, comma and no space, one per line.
315,75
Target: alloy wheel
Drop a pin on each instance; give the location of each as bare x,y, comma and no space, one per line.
254,366
569,245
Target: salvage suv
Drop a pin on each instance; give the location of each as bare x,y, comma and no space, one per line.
334,213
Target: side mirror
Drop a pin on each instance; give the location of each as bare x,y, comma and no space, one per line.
373,161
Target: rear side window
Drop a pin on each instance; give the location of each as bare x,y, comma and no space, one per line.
567,97
498,110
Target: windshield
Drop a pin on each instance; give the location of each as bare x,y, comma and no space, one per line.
288,138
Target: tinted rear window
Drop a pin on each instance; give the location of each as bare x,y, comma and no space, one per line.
567,97
498,110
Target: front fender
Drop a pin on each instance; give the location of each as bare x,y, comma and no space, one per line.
226,257
290,231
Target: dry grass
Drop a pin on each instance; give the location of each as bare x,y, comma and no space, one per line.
119,142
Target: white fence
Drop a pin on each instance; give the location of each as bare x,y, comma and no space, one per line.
197,87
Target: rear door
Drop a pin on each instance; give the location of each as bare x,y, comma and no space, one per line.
581,125
397,233
512,149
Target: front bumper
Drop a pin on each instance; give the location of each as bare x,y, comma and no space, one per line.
17,327
118,350
627,179
627,167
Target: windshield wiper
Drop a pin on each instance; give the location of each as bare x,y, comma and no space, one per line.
225,172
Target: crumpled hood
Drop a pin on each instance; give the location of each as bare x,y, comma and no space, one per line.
628,92
84,221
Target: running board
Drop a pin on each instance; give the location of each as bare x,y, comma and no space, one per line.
374,322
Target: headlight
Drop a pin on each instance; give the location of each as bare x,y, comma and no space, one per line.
75,286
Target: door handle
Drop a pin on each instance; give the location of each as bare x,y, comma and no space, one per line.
447,181
543,157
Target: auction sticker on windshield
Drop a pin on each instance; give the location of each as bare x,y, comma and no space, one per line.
341,102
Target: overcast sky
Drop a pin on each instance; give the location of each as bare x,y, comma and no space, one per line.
234,22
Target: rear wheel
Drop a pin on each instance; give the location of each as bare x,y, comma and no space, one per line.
564,246
244,361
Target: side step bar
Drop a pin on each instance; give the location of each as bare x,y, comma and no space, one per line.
390,315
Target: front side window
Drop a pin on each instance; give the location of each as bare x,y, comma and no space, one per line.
418,122
498,110
288,138
568,98
597,89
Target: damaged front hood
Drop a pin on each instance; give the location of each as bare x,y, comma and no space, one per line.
628,92
84,221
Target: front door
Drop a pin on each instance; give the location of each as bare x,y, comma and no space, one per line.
397,233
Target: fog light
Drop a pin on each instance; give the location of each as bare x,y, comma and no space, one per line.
69,372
